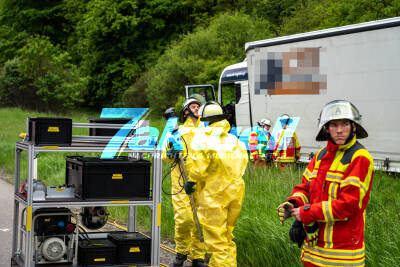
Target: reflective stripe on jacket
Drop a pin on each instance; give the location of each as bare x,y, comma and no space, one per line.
253,142
291,153
336,185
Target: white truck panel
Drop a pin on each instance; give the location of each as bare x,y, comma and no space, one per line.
362,67
242,108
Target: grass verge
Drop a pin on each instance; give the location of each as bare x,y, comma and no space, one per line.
260,238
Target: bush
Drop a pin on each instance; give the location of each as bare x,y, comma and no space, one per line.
135,95
317,14
41,77
14,87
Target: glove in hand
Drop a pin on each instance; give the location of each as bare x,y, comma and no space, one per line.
311,234
284,211
189,187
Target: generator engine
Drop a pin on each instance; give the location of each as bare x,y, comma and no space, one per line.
55,236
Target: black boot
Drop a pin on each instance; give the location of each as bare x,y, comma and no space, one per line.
198,263
179,260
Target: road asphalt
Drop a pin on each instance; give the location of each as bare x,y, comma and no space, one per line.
6,208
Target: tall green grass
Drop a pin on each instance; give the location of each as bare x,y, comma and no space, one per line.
262,241
260,238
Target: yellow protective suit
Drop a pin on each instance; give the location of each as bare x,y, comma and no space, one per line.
186,235
217,164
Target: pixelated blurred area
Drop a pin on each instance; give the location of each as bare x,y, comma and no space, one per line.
296,72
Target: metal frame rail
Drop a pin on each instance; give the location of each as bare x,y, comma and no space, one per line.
24,256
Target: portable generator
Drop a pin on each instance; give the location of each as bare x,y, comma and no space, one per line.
55,236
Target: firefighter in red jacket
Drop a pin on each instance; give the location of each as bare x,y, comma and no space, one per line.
331,200
261,144
287,149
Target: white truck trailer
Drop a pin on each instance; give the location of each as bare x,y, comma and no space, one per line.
299,74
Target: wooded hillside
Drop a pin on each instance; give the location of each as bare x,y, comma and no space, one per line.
58,55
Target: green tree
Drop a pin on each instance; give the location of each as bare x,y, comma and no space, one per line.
135,95
118,39
10,42
41,77
317,14
201,56
45,17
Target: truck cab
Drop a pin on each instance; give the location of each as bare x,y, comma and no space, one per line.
233,94
202,92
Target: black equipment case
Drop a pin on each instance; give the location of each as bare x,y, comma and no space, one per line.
50,131
100,179
132,247
96,252
104,131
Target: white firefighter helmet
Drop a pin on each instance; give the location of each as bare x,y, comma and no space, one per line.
185,106
265,122
212,111
340,110
199,97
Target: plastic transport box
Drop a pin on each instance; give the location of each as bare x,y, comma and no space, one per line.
96,252
132,247
101,179
106,132
50,131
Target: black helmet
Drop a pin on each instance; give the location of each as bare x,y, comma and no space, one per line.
185,106
169,113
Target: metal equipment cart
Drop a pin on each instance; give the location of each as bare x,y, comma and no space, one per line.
22,251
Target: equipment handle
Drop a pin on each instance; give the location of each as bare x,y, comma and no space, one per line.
192,203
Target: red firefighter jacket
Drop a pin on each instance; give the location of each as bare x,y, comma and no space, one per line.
291,153
253,143
334,192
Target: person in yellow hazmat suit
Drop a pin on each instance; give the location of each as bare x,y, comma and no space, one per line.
215,169
186,234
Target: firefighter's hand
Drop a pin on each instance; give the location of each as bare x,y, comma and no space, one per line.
189,187
295,212
284,211
311,234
